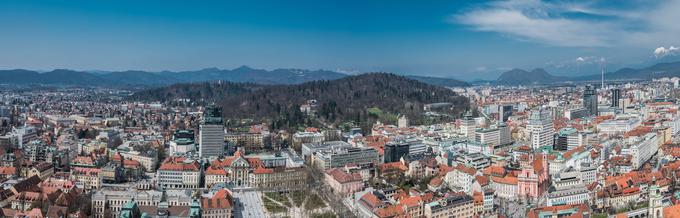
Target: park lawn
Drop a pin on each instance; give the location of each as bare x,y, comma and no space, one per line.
298,197
272,206
314,202
324,215
281,198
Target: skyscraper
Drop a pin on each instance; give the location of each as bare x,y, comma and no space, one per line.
211,133
590,100
504,112
616,96
541,129
468,126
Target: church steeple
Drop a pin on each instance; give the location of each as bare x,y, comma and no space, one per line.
655,206
163,206
195,210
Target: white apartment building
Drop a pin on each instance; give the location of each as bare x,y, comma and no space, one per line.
642,150
540,128
618,126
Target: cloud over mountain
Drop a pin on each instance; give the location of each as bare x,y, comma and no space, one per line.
577,24
661,52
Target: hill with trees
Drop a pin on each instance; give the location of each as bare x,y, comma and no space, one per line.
342,100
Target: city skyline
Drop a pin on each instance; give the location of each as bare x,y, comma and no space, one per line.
462,40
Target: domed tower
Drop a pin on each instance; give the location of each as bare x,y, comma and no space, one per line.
655,206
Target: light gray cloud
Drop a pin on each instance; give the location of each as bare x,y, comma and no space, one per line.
661,52
553,22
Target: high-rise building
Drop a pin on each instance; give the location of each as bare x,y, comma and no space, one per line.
505,134
490,136
211,133
563,138
590,100
541,129
616,96
394,151
504,112
468,126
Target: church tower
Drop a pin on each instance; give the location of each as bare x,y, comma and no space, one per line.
655,206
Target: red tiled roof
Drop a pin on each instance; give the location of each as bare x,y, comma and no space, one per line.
177,164
215,171
343,177
510,180
221,200
413,201
8,170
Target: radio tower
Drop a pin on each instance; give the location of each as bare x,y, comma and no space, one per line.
602,69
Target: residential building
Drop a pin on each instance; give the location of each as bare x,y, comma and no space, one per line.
87,178
342,182
452,206
219,205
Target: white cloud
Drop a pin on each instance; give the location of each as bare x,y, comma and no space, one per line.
569,24
582,60
661,52
480,69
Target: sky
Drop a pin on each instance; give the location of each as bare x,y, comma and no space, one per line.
467,40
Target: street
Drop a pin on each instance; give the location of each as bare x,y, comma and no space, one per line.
247,203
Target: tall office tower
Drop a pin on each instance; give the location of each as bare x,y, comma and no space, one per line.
211,133
541,129
468,126
394,151
590,100
504,112
616,96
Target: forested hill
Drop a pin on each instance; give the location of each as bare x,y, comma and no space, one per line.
196,92
345,99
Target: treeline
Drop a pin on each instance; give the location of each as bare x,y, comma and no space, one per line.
346,99
196,92
341,100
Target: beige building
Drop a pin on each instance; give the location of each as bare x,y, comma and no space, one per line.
89,178
251,141
279,178
214,175
452,206
43,170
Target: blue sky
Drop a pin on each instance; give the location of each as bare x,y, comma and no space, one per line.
459,39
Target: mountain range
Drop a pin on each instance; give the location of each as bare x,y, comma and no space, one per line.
242,74
540,76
